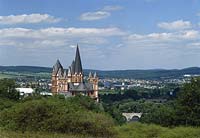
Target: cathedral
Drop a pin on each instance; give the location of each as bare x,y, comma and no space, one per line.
71,81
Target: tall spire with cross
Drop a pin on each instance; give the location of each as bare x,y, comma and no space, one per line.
78,65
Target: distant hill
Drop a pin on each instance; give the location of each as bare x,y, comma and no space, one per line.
136,74
22,69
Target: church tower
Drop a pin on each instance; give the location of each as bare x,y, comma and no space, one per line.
77,73
70,82
56,73
93,79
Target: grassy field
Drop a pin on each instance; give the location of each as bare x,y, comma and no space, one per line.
10,134
138,130
16,74
2,76
134,130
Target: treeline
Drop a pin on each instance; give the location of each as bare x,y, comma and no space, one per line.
137,94
134,74
180,108
184,110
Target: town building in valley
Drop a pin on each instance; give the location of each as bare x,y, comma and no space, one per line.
70,82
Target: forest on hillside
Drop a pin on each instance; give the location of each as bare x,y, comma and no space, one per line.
133,74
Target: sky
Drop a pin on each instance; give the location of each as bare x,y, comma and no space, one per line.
111,34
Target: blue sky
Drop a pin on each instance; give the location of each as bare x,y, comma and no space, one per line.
112,34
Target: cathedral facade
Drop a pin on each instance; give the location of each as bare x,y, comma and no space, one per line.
71,81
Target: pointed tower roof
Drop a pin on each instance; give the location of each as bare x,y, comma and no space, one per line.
57,66
69,71
73,67
78,65
65,73
90,75
95,75
60,72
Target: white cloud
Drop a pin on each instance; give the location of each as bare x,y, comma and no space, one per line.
28,19
112,8
163,38
101,14
90,16
195,44
176,25
191,34
57,36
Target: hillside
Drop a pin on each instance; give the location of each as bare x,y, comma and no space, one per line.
135,74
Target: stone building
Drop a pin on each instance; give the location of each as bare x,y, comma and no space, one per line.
70,82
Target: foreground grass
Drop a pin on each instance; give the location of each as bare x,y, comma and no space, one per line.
138,130
132,130
11,134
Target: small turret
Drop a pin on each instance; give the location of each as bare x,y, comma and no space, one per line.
69,72
95,75
56,67
65,74
60,72
90,75
73,67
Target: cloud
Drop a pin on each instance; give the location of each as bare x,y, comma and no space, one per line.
112,8
28,19
56,36
105,12
90,16
176,25
154,38
195,44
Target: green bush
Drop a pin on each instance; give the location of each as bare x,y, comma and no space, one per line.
7,89
57,115
6,103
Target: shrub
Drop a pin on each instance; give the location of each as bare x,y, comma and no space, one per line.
57,115
5,103
7,89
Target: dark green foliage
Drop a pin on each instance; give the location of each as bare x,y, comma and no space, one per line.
6,103
114,111
60,115
189,103
7,89
20,69
87,103
161,114
140,106
140,94
128,94
184,110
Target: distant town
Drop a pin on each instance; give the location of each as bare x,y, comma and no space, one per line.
41,82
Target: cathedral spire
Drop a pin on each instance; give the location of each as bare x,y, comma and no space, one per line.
95,75
78,65
57,66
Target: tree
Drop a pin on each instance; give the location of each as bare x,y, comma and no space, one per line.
189,103
7,89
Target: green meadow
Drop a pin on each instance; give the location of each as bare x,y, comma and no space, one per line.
131,130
